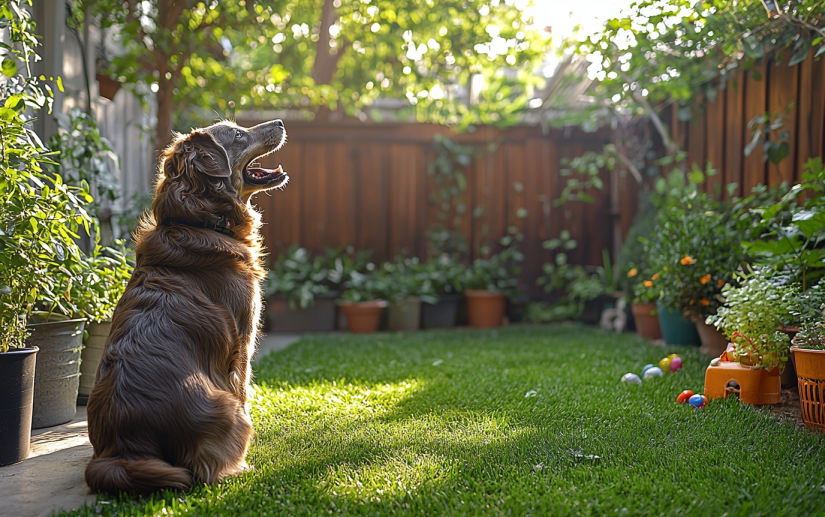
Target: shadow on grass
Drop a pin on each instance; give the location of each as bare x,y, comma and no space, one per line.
513,421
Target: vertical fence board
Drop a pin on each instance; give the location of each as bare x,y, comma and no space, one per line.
283,226
734,129
716,141
314,200
372,210
753,166
783,82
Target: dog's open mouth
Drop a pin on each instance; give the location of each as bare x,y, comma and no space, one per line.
254,174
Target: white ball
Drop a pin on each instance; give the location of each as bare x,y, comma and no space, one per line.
653,372
631,378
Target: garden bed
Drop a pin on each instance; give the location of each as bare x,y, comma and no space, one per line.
521,420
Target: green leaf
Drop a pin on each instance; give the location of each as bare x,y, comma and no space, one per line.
8,67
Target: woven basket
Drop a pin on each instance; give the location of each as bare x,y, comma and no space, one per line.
810,373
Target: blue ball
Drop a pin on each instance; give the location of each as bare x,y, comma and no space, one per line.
698,401
653,372
646,368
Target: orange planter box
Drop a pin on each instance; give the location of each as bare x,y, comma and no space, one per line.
756,387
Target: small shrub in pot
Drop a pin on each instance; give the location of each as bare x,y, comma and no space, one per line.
490,281
363,300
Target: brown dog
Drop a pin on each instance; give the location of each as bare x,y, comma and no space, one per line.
168,406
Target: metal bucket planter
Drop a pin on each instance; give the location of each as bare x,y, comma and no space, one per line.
90,357
57,374
405,314
675,328
17,388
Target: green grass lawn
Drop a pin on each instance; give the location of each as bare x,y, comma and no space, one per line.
441,423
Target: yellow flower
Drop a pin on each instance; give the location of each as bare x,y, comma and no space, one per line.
633,272
665,268
687,260
648,283
705,279
654,277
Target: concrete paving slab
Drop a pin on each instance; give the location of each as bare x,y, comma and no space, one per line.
52,478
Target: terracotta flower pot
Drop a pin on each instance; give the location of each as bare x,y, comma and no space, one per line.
485,309
810,371
108,87
363,317
713,341
647,322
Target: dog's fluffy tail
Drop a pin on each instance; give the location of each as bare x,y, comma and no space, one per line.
142,477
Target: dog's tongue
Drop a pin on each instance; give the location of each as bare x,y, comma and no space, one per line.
260,172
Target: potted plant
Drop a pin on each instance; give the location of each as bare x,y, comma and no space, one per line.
299,293
752,318
408,287
644,304
699,241
809,355
363,301
443,278
38,226
490,281
94,296
579,286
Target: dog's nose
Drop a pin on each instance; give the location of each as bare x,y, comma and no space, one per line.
279,123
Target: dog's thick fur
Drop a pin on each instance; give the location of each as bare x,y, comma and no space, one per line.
169,404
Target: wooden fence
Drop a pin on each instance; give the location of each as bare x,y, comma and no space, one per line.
719,131
366,185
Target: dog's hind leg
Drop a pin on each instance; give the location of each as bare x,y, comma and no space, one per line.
223,441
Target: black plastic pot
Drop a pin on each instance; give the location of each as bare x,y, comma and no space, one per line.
57,374
17,386
442,314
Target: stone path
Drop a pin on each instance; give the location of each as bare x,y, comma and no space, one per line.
51,479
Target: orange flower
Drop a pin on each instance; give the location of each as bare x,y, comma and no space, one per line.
633,272
720,282
705,279
654,277
691,302
705,302
687,260
648,283
665,268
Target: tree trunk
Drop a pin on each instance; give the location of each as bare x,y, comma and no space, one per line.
325,62
163,130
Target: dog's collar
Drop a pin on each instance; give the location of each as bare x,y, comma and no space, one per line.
222,225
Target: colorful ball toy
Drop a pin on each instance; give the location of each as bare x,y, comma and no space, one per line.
698,401
675,364
653,372
646,368
684,396
673,356
664,364
631,378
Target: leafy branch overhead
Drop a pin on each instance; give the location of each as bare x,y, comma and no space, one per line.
323,56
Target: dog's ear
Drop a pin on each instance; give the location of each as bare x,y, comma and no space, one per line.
200,152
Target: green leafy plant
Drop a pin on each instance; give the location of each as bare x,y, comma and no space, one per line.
366,287
576,284
443,275
811,337
761,128
299,277
583,173
405,278
41,215
497,273
85,157
753,315
791,234
96,291
697,250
